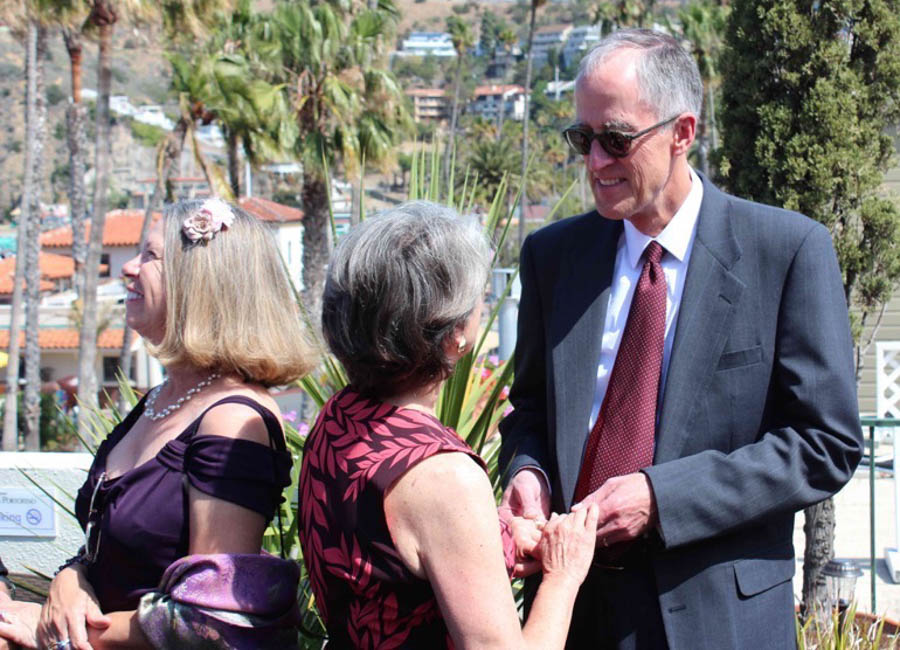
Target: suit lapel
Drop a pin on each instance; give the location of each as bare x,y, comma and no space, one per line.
576,327
711,292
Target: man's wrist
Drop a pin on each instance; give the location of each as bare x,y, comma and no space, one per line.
538,472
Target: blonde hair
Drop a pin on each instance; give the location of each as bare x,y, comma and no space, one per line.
229,304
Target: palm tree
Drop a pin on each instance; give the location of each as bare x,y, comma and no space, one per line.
36,119
703,24
462,37
535,5
328,53
102,19
507,38
28,22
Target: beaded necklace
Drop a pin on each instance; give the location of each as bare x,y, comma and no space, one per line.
155,415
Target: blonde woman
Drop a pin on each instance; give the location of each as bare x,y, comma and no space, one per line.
199,465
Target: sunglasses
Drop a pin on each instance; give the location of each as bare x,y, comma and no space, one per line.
615,143
92,546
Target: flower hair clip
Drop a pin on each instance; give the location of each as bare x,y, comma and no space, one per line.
214,215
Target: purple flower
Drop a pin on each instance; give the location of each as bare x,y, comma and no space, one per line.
303,429
290,416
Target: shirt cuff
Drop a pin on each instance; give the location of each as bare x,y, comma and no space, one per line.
539,471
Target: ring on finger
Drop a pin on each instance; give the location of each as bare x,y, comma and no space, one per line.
63,644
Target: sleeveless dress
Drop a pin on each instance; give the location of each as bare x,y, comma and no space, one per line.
140,518
367,597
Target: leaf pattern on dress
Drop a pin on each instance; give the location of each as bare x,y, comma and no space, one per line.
357,448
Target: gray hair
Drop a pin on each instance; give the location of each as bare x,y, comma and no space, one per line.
398,285
668,77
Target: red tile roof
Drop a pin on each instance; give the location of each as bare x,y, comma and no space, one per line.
66,339
53,267
267,210
121,228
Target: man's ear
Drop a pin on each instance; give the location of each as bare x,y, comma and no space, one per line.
684,130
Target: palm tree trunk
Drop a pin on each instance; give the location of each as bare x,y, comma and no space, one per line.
36,131
10,412
87,342
317,241
454,116
168,156
234,163
818,528
76,139
523,203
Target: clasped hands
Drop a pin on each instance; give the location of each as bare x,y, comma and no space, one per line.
627,509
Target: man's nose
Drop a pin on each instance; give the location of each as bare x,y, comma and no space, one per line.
597,158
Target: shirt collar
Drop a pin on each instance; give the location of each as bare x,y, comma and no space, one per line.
676,236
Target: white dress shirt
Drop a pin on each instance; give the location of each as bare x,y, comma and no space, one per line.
677,240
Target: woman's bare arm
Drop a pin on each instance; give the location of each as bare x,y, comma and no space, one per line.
443,519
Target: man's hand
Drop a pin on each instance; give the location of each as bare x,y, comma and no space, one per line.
526,497
627,508
526,535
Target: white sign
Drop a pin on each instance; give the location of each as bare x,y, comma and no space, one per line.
26,512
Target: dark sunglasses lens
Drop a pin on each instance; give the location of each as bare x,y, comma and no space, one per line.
615,143
579,141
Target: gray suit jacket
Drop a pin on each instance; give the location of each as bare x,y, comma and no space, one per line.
759,417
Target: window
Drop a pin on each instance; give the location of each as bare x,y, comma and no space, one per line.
104,259
110,369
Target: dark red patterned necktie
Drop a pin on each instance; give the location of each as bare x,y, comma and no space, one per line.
621,441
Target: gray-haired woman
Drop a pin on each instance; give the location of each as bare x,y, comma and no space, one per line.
399,527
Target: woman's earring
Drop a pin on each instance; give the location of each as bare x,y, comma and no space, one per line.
462,345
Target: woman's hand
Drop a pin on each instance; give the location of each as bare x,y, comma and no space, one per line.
567,545
18,623
70,608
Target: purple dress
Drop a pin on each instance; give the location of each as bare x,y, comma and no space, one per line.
141,516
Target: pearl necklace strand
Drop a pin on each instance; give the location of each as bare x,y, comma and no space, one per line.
177,404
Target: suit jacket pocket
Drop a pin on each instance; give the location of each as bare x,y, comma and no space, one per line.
739,358
757,575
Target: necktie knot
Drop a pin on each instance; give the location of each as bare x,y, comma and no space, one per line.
654,252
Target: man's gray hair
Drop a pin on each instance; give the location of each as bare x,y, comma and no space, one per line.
398,285
668,78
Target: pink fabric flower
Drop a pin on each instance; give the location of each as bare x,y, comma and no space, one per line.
213,216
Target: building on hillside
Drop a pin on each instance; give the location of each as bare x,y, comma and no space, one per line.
580,41
549,37
488,101
121,236
57,273
59,358
287,223
559,89
437,44
429,104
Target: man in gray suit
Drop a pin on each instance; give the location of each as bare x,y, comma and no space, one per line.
736,404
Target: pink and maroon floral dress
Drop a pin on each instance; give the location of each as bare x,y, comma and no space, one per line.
358,448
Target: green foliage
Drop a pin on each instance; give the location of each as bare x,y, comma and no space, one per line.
809,89
147,134
55,94
847,631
